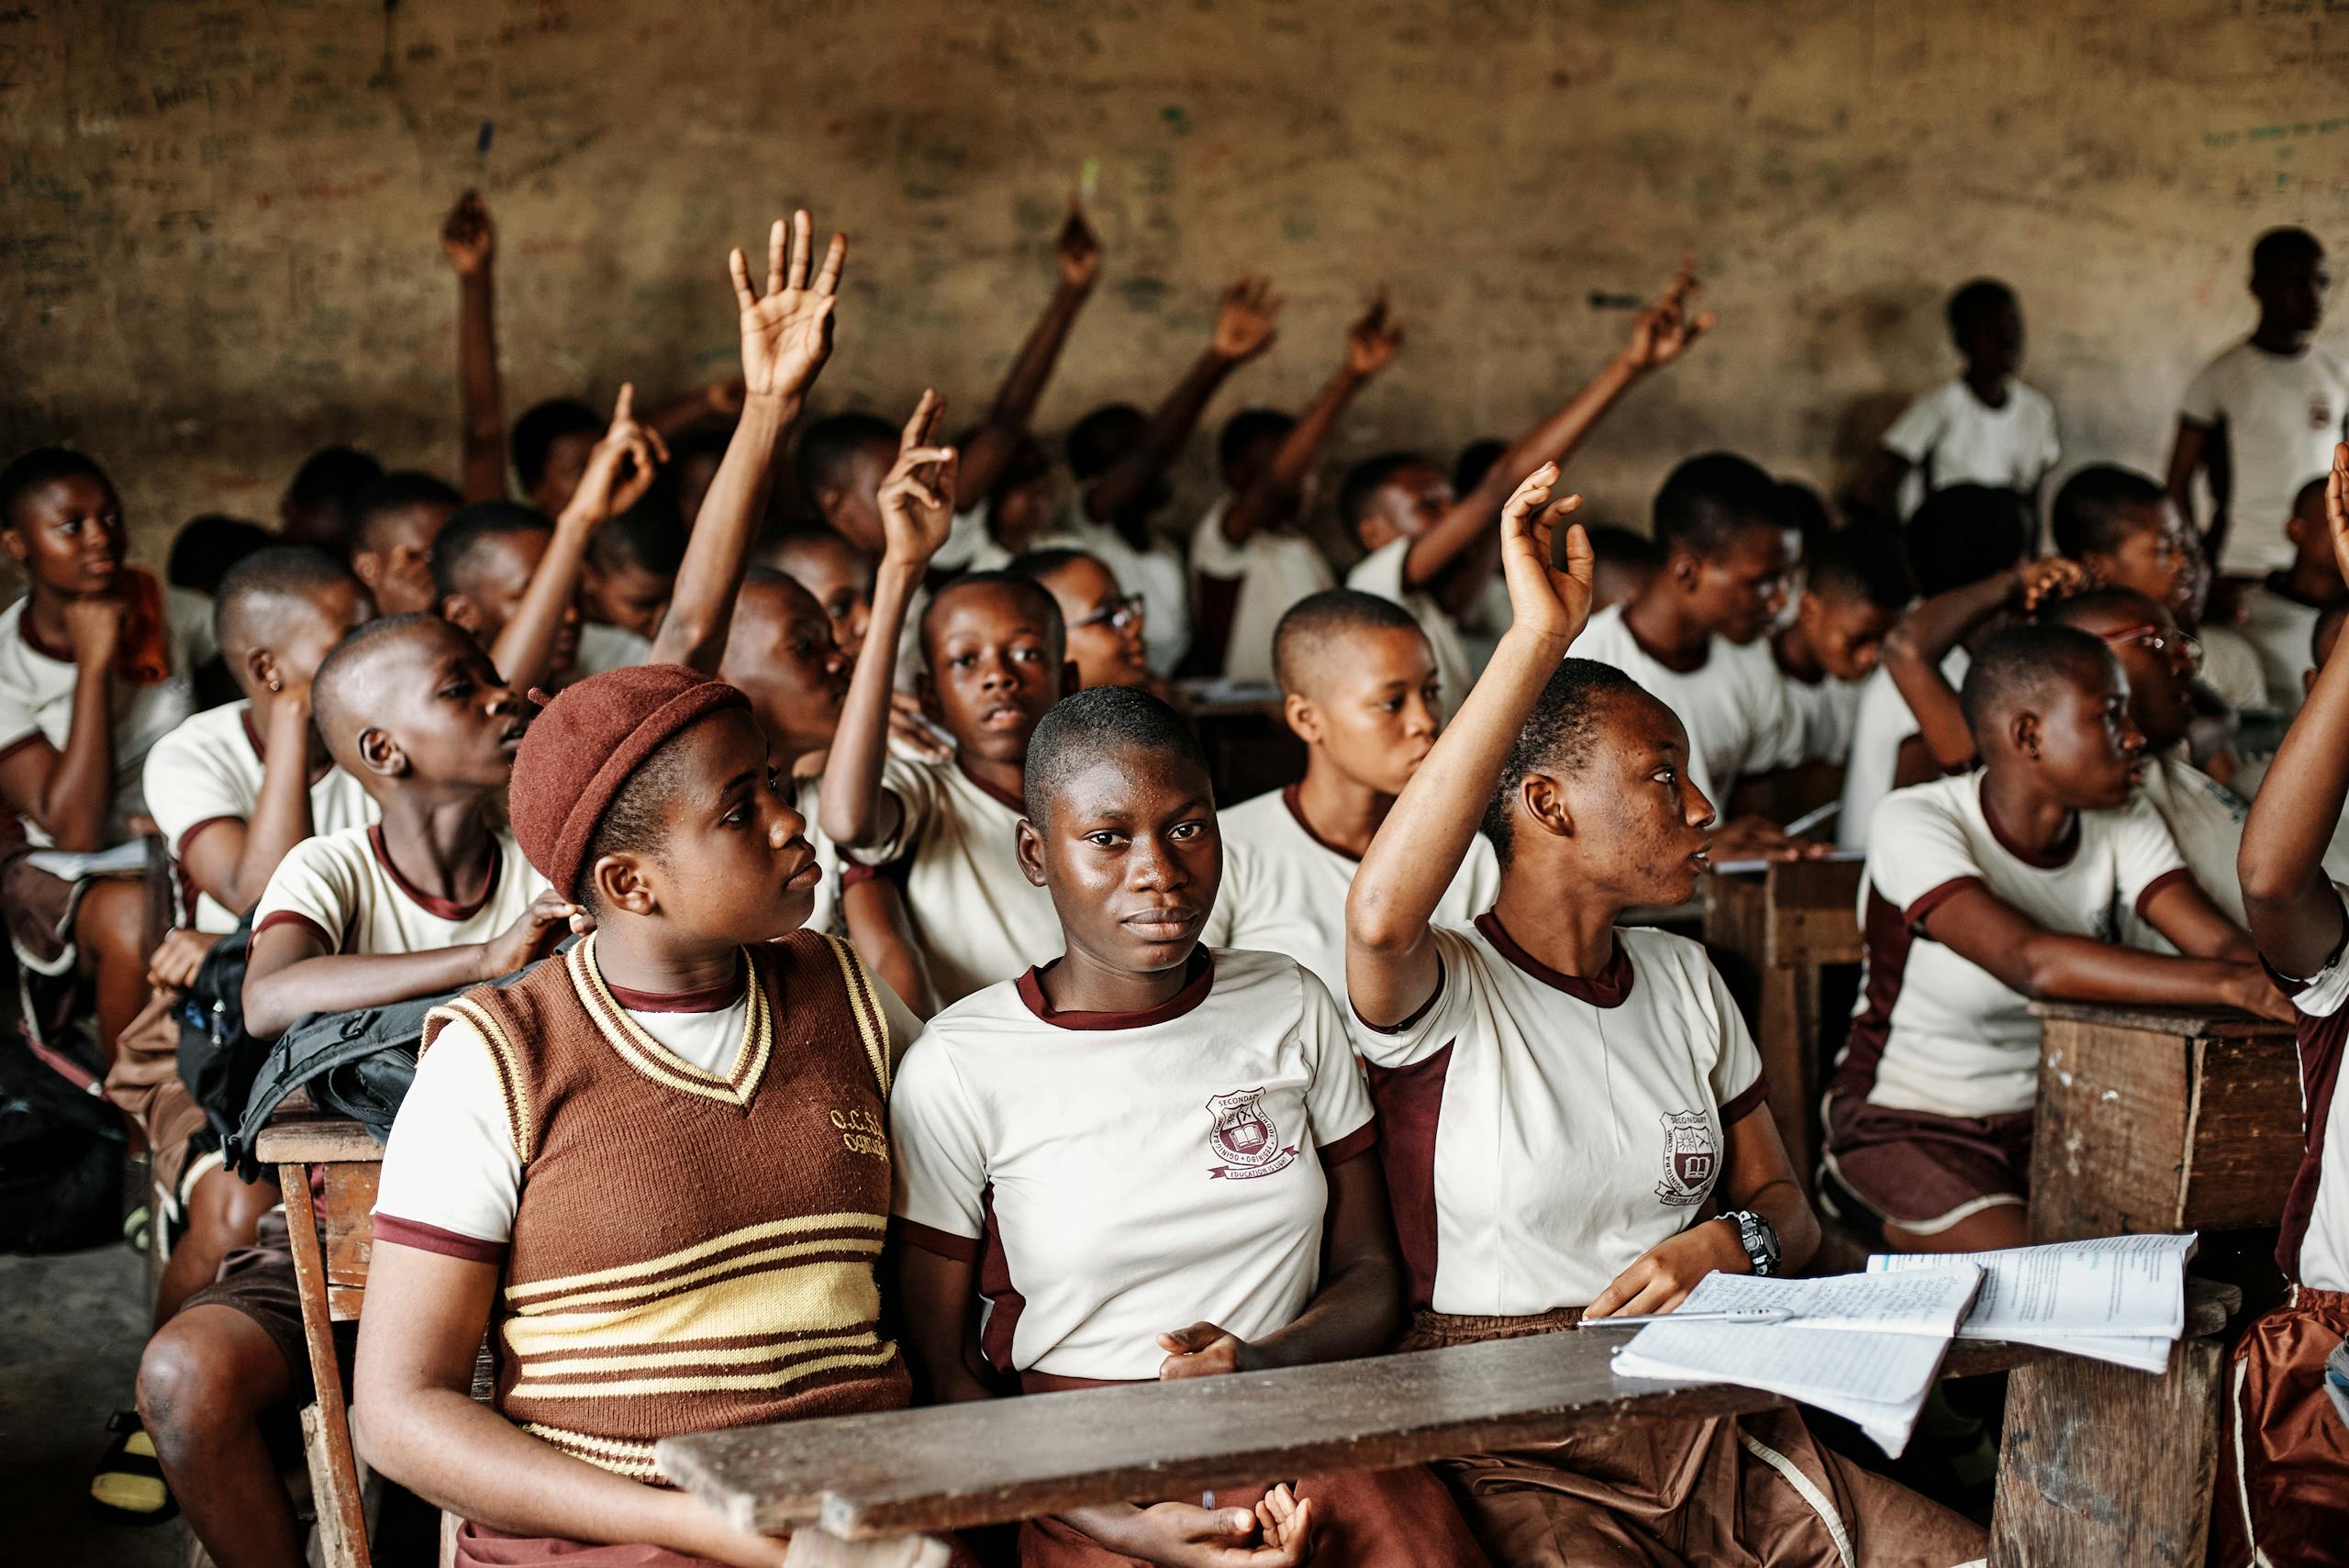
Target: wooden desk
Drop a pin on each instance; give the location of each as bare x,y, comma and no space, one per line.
886,1479
1771,931
331,1234
2161,1120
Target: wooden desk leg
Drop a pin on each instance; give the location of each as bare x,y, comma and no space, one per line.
2101,1463
1787,1034
342,1519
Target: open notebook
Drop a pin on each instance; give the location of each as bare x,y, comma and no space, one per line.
2116,1298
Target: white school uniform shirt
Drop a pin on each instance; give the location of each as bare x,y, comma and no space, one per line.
1958,438
2205,818
2281,630
343,887
1933,1032
603,649
1117,1176
1734,706
1381,573
2320,1194
37,687
1882,723
975,914
970,544
826,916
451,1177
1542,1131
1274,567
2230,667
2282,413
1826,711
209,770
1285,890
1157,573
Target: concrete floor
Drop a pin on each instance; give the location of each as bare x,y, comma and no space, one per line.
69,1352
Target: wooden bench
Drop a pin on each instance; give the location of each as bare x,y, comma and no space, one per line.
1772,930
331,1234
2156,1120
868,1489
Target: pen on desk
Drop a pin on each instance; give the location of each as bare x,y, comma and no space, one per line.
1809,820
1735,1315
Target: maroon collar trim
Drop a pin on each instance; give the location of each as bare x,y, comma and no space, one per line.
447,909
261,751
33,639
1611,988
708,999
1198,982
1292,797
2052,861
1009,800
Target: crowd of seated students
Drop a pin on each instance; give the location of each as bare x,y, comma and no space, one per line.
933,996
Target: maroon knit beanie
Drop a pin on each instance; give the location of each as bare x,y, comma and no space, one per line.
581,748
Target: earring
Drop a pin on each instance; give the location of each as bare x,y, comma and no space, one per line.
277,685
2032,752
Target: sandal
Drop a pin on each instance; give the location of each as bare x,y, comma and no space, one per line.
128,1486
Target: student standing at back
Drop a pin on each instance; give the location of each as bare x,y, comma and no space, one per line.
2262,418
2287,1447
1983,428
1250,558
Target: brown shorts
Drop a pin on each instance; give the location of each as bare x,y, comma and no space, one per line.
145,1083
258,1281
1925,1173
2284,1451
40,910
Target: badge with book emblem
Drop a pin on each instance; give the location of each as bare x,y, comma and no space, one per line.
1690,1157
1242,1135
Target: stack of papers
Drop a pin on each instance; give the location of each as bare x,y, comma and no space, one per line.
1864,1346
2116,1298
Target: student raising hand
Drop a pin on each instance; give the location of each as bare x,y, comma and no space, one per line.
468,236
1078,249
1662,332
918,494
620,468
1373,342
1243,322
787,335
1548,597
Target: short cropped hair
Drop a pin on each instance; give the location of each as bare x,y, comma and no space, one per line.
1038,564
2099,507
543,424
467,537
1804,509
42,466
1964,533
1975,300
637,821
1474,461
1247,427
2019,664
1863,563
1102,436
208,545
1085,727
2103,601
1710,499
340,694
1318,620
1612,544
2282,247
248,609
2312,494
647,537
829,449
395,493
1364,479
333,476
1033,593
1557,737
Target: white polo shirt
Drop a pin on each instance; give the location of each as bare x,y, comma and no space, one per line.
1933,1032
1381,573
209,770
2232,667
2205,819
1117,1176
1734,706
2316,1211
37,687
603,649
975,914
1958,438
2281,414
1883,722
343,887
2281,631
1542,1131
1274,567
1285,890
1826,711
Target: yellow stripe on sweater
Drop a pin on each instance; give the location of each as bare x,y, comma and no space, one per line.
713,1382
728,1355
865,1004
799,1225
828,1296
609,1453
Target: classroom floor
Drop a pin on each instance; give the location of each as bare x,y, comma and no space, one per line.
71,1328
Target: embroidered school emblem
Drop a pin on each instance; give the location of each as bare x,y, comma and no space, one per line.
1690,1157
1242,1135
2320,413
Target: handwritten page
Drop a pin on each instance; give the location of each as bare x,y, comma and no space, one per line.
2116,1298
1864,1352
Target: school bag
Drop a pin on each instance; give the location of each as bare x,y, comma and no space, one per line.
218,1059
60,1159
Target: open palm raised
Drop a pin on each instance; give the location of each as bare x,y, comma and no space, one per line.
787,335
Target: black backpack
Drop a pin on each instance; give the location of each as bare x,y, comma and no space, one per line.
219,1061
60,1159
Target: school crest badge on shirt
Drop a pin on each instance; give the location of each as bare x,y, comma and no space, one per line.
1241,1133
1690,1157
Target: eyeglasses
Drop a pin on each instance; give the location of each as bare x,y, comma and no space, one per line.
1117,615
2182,651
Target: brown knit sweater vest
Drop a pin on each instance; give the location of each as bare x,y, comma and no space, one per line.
691,1252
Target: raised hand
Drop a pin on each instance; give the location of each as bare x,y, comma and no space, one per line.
1547,599
2336,506
1662,332
2045,582
788,336
468,236
1079,251
918,494
1373,342
1243,322
621,468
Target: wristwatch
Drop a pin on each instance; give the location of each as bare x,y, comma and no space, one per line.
1758,1237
